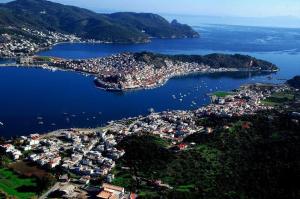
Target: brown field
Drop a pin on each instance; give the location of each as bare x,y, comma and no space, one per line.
28,169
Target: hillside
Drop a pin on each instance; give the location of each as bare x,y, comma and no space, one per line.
212,60
235,161
295,82
118,27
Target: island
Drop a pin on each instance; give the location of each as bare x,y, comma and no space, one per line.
146,70
28,26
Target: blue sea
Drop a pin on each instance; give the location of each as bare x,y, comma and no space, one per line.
38,100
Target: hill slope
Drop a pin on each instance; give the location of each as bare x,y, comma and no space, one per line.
117,27
214,60
295,82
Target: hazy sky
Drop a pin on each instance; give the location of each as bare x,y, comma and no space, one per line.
245,8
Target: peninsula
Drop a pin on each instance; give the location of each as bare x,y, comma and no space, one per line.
145,70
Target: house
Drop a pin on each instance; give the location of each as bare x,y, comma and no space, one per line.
110,177
27,148
182,146
85,179
25,60
106,195
133,195
34,139
246,125
64,178
209,130
11,150
16,154
7,147
111,192
54,162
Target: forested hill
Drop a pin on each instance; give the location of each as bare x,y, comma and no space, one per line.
213,60
295,82
258,161
117,27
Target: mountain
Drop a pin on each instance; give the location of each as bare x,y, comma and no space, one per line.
117,27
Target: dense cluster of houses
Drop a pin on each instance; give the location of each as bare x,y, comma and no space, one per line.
247,100
10,150
23,42
170,125
176,125
123,71
89,154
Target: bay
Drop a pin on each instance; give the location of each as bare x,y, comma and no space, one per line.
37,100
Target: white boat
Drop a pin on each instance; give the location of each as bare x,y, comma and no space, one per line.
1,124
151,110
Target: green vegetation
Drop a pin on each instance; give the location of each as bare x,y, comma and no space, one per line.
232,162
213,60
13,185
43,58
27,169
123,178
221,94
117,27
279,98
4,160
185,188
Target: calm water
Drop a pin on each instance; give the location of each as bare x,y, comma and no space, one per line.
36,100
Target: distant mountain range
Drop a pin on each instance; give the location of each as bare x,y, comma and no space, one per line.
117,27
275,22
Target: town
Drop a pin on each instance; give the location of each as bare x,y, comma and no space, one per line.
91,153
22,42
127,71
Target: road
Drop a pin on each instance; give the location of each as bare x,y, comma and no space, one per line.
55,186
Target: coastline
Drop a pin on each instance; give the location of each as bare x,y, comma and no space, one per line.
159,84
156,85
99,82
107,125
